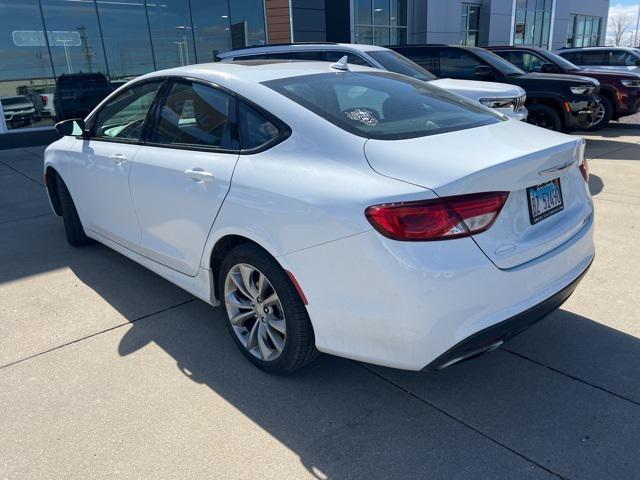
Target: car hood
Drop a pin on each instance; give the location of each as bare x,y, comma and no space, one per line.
609,74
476,90
559,78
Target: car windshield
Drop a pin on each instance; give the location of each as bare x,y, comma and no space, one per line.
383,105
13,101
561,62
394,62
498,62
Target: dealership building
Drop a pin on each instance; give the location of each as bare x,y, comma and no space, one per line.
126,38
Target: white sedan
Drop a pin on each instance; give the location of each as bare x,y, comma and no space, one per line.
331,208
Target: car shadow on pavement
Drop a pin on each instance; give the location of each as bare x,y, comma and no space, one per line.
579,418
595,184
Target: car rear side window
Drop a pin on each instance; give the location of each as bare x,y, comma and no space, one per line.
458,64
382,105
123,117
256,130
195,115
620,58
593,57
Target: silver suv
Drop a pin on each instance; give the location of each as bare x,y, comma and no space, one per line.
506,99
621,59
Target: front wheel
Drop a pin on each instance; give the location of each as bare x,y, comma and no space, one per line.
265,314
603,114
544,116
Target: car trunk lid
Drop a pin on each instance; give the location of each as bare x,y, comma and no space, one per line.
509,156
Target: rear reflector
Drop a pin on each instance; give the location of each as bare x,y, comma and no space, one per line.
438,219
584,170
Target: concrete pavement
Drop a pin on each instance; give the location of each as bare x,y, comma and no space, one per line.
108,371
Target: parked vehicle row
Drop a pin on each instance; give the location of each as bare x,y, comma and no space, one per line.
619,90
588,99
507,99
332,207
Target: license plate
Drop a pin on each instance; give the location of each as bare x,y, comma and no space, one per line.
544,200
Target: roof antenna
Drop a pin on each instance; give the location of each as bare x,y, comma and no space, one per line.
341,64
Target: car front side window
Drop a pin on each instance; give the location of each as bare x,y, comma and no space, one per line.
527,61
195,115
620,58
123,117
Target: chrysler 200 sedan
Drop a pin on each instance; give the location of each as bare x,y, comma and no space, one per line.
331,208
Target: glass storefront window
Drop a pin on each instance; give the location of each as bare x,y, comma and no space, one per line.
470,24
41,40
247,23
74,36
126,39
211,28
171,34
533,20
583,31
26,76
380,22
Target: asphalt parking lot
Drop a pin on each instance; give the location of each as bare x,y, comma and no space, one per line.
109,371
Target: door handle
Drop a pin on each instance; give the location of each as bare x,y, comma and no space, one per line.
199,175
118,158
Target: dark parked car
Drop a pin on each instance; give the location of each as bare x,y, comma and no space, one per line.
79,93
19,111
619,91
558,102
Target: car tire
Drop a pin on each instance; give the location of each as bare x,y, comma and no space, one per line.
273,333
544,116
72,225
607,113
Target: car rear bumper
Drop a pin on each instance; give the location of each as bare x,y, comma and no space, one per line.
405,304
494,336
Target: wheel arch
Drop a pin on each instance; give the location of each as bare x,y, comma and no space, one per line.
50,175
221,248
610,95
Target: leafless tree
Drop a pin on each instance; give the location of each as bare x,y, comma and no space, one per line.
619,30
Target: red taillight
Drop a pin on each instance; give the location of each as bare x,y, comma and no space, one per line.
44,99
584,170
438,219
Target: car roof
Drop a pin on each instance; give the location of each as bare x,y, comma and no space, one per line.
582,49
287,47
514,47
251,71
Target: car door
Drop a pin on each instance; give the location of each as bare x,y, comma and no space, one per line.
181,176
103,162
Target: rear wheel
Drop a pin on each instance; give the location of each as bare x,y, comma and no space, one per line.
603,114
72,225
544,116
265,314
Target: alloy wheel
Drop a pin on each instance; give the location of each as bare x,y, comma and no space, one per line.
255,312
599,115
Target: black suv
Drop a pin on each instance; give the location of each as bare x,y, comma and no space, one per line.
558,102
79,93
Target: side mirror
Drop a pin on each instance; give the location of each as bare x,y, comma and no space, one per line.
548,68
484,72
74,127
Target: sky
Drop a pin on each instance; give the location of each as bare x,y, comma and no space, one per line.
627,8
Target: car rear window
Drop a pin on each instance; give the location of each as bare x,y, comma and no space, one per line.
383,105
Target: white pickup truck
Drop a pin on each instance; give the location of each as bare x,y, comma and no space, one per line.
506,99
